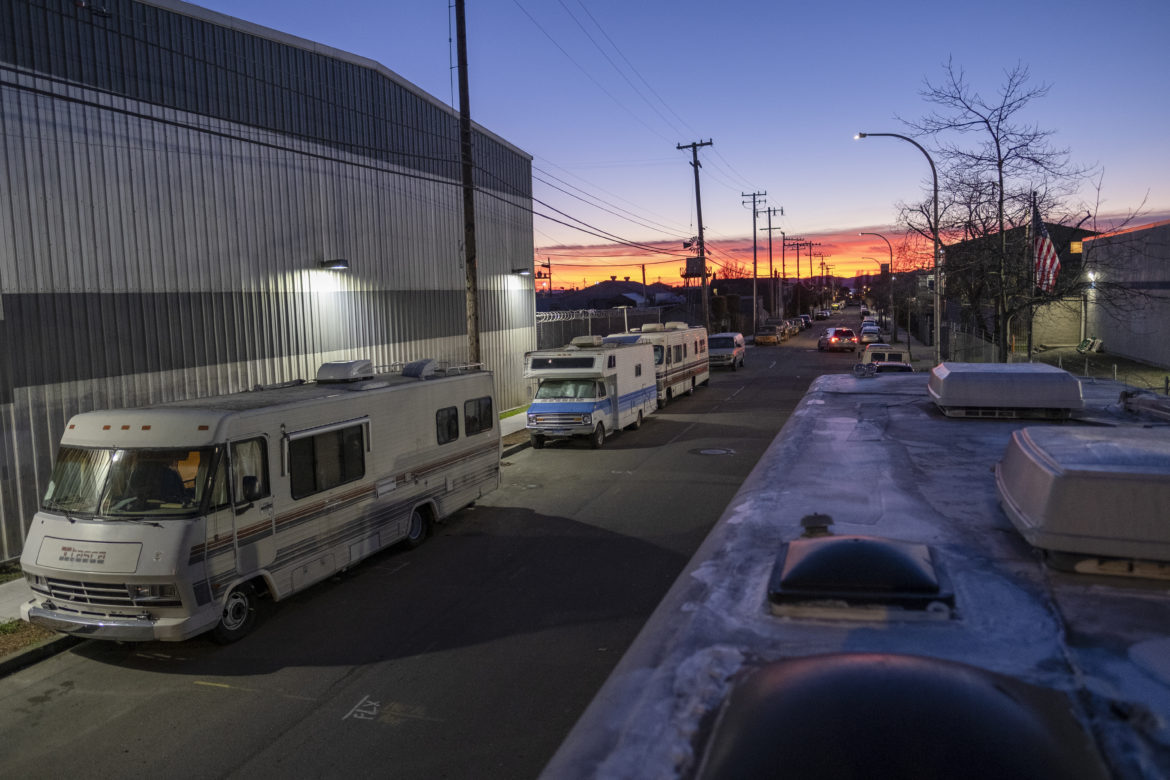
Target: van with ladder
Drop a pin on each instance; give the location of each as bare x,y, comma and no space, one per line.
168,521
680,356
589,389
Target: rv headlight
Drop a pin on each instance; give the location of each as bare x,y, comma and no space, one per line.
532,419
154,593
586,419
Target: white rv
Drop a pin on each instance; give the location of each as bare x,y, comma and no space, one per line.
589,389
680,356
167,521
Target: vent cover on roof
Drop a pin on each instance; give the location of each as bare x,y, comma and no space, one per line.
345,371
1091,491
858,577
879,715
1004,390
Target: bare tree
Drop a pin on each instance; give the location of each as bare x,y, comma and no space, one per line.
985,187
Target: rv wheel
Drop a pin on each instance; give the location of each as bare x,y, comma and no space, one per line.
239,615
636,424
598,437
420,528
536,441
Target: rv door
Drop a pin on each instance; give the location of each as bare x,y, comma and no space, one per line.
251,500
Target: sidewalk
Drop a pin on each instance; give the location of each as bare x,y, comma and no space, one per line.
12,595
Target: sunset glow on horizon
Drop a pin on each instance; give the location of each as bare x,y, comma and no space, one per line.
844,254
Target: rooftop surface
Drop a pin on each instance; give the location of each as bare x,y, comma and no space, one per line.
876,458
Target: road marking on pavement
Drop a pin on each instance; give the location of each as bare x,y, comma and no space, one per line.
242,689
394,713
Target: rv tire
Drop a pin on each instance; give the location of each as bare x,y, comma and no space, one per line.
636,424
537,441
239,615
420,528
597,438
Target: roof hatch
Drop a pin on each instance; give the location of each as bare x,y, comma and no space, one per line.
860,578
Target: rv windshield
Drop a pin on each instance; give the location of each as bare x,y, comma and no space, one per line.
566,388
128,483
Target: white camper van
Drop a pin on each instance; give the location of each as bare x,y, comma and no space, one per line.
166,521
680,356
589,389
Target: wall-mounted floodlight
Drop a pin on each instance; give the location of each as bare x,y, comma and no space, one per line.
333,265
522,271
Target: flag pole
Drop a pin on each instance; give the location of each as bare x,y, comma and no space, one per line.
1031,242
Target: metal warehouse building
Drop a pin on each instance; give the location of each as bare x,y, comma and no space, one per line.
174,179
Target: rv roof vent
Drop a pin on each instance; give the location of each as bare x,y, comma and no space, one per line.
586,341
858,577
1005,390
345,371
652,327
676,326
881,715
419,369
1091,492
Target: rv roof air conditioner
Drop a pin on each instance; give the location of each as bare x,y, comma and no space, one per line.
586,341
419,369
1005,390
652,327
1094,499
345,371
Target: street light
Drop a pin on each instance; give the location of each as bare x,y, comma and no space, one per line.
934,230
893,319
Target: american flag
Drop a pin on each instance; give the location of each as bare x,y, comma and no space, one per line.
1047,261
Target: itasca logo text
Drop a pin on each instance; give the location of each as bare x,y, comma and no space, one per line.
74,555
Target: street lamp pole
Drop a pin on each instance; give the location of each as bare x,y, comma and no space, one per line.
934,230
893,319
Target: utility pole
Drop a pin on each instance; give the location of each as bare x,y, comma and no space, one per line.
470,258
694,147
778,309
755,272
786,242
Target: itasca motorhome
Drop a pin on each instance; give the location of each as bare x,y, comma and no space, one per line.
589,389
680,356
166,521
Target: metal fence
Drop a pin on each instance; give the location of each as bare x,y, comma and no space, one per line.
558,328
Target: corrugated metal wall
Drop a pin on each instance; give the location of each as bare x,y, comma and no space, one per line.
172,179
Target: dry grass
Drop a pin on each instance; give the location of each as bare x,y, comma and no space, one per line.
16,635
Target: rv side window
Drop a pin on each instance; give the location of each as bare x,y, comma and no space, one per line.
477,415
250,470
678,353
658,354
447,424
326,460
601,390
612,361
637,369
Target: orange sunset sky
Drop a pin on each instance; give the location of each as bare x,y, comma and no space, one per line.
844,254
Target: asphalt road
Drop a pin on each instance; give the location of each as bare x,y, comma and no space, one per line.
471,656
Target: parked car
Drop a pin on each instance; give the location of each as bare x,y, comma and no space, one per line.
838,339
869,336
726,350
807,320
821,314
794,326
767,335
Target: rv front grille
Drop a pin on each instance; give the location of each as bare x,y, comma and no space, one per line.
92,593
555,420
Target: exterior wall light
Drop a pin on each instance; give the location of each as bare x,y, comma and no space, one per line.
522,271
334,265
